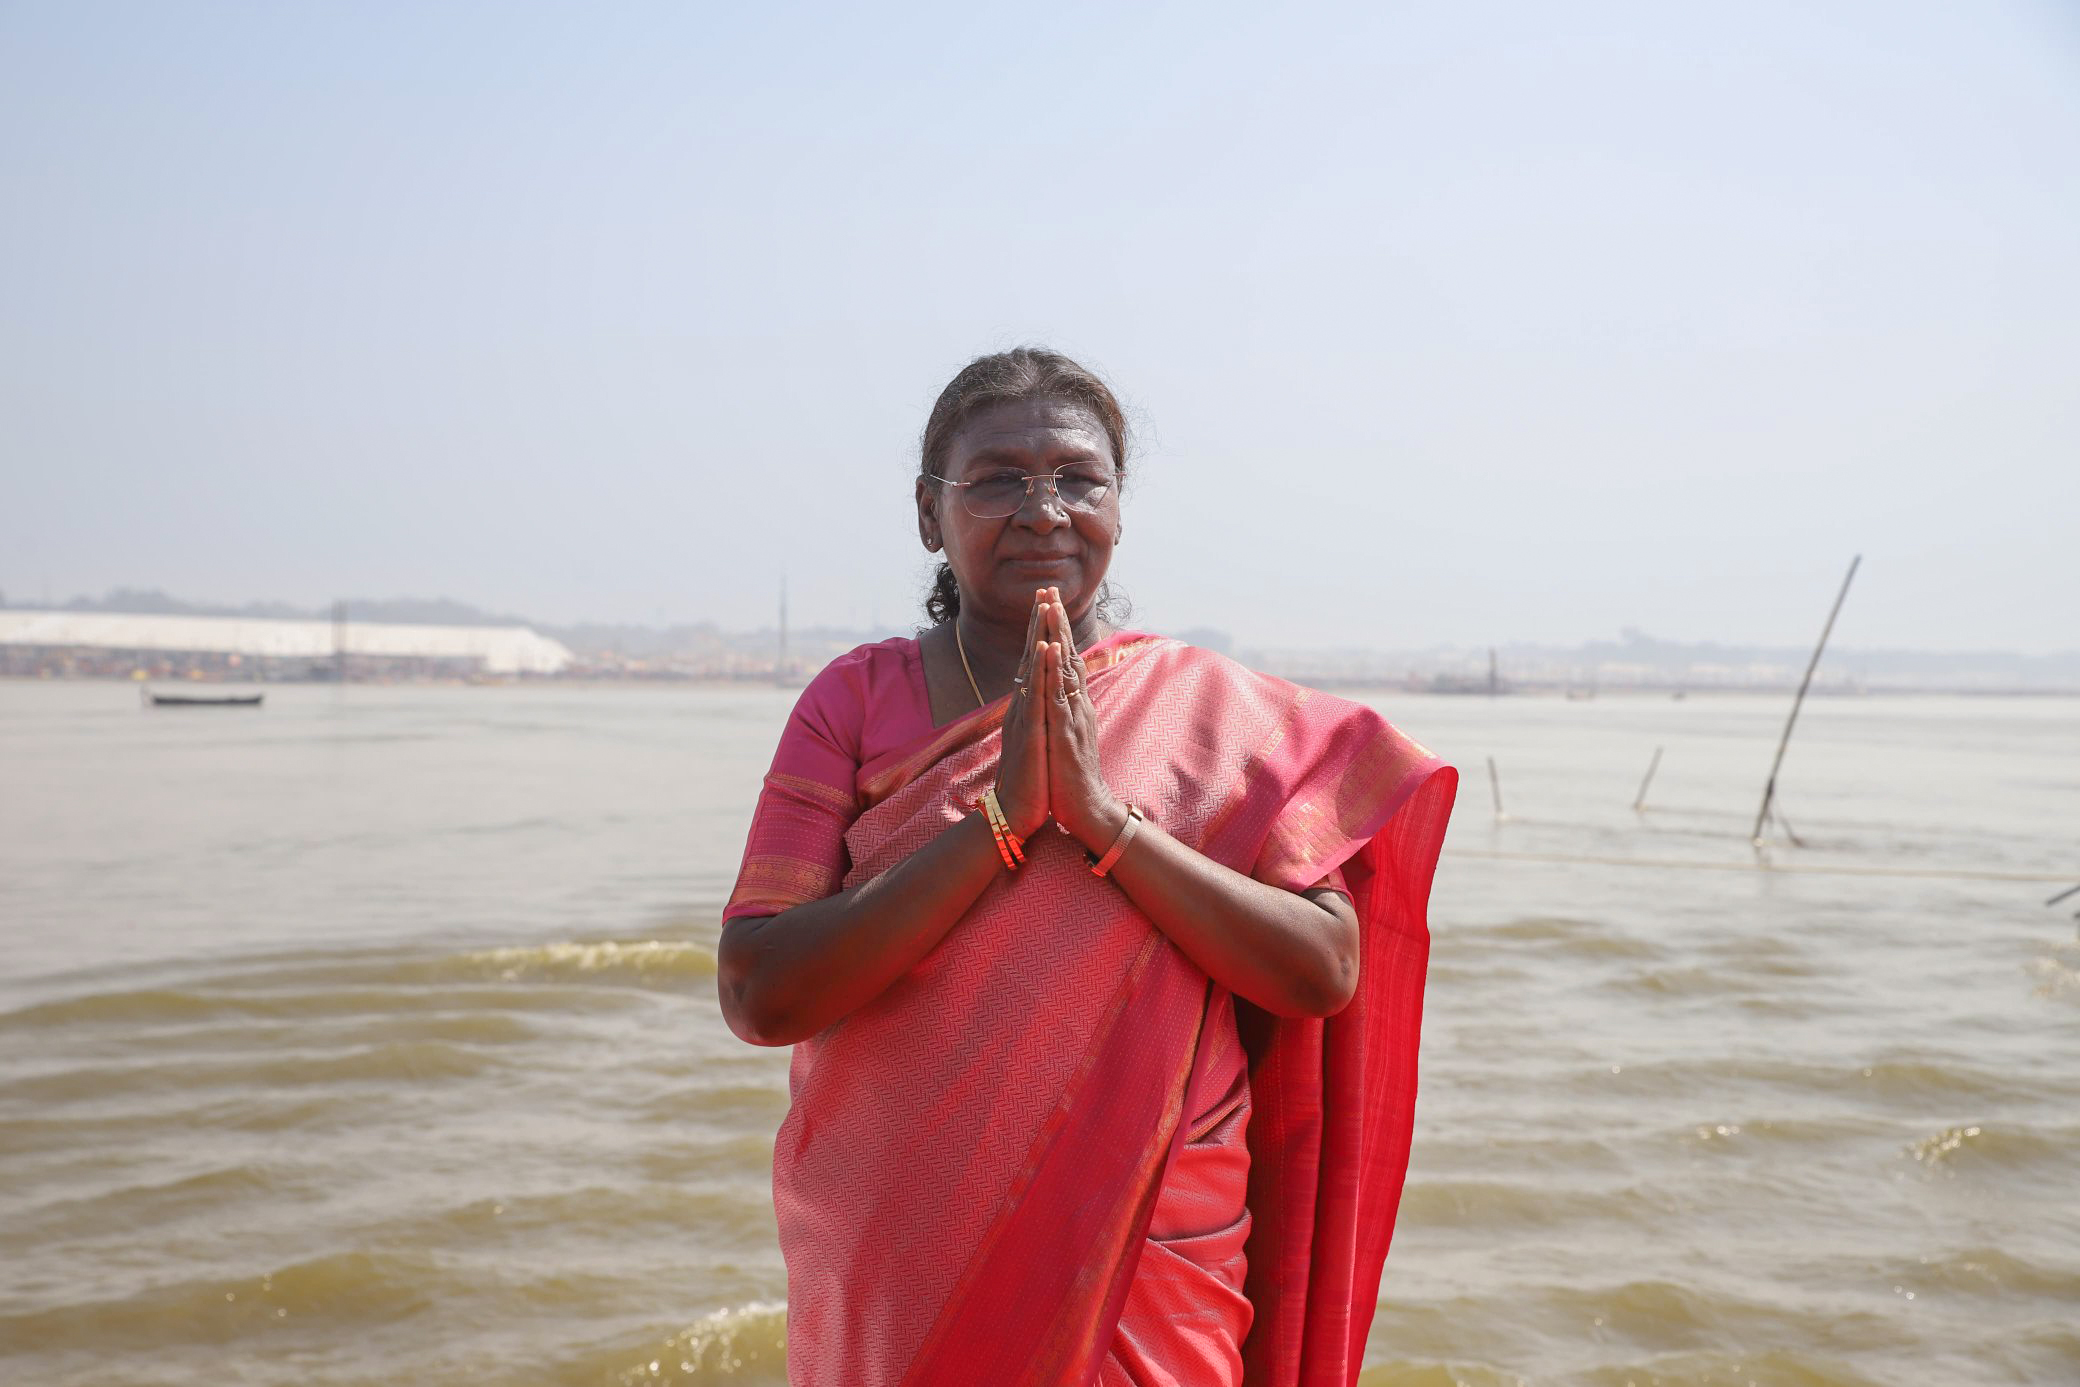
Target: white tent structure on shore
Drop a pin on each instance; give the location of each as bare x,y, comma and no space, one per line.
498,649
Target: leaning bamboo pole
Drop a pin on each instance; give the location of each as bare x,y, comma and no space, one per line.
1639,801
1769,790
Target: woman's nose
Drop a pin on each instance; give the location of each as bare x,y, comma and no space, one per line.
1043,509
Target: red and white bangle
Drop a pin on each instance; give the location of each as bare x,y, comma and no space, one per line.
1119,845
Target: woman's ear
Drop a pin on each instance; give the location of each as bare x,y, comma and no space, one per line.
928,518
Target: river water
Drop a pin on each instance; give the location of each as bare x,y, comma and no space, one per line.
371,1038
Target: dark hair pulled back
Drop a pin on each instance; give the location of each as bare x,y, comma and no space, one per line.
1023,373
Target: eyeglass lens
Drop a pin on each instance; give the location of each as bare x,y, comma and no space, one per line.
993,498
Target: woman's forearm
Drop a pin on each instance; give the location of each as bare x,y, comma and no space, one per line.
1291,954
785,977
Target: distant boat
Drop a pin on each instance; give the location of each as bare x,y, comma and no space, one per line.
160,700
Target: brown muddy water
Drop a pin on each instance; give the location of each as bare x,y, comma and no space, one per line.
371,1038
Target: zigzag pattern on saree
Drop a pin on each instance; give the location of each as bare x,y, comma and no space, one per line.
928,1101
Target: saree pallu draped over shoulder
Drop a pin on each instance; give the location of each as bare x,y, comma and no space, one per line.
967,1170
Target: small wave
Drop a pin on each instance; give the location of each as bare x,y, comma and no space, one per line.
1586,938
551,976
1495,1204
156,1006
1932,1078
586,961
1783,1131
2057,978
135,1206
1989,1271
1438,1375
1670,1317
1673,982
1978,1146
1771,1368
746,1153
1903,1080
351,1289
648,961
247,1034
745,1345
724,1105
409,1060
719,1214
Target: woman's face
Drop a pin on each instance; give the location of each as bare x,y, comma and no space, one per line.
1000,562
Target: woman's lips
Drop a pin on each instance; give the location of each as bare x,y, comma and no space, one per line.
1043,560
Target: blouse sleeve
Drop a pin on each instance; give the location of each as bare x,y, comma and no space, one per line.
1334,881
796,849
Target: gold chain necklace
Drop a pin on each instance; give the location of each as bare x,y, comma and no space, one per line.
962,646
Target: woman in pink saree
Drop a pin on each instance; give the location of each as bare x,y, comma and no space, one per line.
1102,958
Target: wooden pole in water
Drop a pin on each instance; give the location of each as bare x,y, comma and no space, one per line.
1640,802
2069,891
1769,790
1495,788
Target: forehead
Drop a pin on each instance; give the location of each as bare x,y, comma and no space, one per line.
1030,429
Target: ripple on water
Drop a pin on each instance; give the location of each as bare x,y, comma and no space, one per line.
1498,1206
559,976
1589,939
1674,982
1980,1146
347,1291
647,962
748,1154
1648,1316
2048,1351
1780,1132
471,1027
1774,1368
137,1207
1907,1081
714,1214
729,1106
745,1345
2056,977
1988,1271
404,1061
1405,1374
162,1006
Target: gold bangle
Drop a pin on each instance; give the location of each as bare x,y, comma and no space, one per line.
1018,844
1112,855
1009,845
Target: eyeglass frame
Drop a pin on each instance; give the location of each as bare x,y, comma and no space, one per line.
1054,492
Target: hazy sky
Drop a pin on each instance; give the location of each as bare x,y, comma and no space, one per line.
1445,322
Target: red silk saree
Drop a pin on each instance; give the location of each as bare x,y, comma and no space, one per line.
970,1166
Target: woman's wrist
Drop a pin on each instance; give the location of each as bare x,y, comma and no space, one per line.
1024,822
1097,827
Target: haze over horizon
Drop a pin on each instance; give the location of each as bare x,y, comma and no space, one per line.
1466,325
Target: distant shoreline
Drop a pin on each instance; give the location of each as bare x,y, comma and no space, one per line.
1630,692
